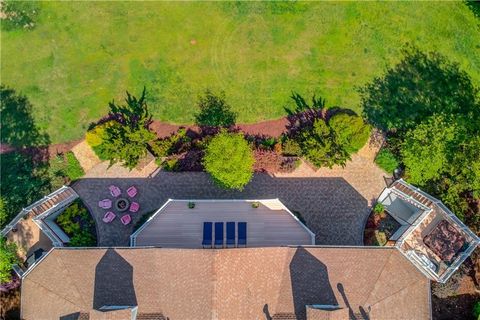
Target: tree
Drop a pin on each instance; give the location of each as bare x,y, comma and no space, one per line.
8,257
319,145
214,111
126,140
229,160
420,85
428,149
350,131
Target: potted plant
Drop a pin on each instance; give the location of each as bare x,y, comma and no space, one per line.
379,208
255,205
191,205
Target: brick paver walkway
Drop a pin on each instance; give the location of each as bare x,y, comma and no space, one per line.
332,208
334,202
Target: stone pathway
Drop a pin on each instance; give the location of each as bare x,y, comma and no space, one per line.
85,156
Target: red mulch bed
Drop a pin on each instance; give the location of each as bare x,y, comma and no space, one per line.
273,128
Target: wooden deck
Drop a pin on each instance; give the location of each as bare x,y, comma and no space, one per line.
177,226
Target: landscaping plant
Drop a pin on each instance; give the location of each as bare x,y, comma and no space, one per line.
229,160
214,111
126,141
8,257
386,160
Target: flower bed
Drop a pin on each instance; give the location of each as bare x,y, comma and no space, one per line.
78,224
380,227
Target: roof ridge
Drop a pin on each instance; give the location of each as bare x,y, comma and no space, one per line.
378,277
55,294
66,270
396,292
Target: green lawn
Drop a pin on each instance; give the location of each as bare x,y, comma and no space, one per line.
81,55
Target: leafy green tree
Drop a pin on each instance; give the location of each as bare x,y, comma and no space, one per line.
320,147
350,130
428,148
126,140
8,257
229,160
214,111
420,85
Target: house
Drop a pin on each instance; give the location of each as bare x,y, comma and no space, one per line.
280,274
244,283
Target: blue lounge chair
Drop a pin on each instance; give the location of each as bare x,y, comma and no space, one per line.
242,234
218,234
230,234
207,234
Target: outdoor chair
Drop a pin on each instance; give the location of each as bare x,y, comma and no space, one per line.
134,207
207,234
105,203
115,191
132,191
218,234
230,234
126,219
109,217
242,234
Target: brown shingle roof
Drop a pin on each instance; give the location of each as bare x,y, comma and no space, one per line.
226,284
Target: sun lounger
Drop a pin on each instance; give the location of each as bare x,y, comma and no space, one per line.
105,203
109,217
114,191
126,219
132,191
218,234
230,234
207,234
242,234
134,207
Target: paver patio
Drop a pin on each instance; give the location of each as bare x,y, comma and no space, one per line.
331,207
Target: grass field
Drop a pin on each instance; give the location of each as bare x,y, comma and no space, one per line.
81,55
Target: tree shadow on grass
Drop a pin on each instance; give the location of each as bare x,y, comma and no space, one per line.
420,85
18,128
24,171
474,6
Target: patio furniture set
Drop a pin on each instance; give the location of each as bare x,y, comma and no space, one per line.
120,204
230,239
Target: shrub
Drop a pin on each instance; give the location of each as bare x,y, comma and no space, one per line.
476,310
97,135
319,146
170,164
378,208
214,111
386,160
380,238
255,205
291,148
351,132
191,205
19,14
229,160
8,257
77,223
74,170
172,144
267,161
83,238
269,142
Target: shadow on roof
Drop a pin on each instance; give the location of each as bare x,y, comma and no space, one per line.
113,282
310,282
